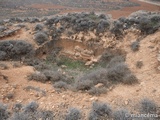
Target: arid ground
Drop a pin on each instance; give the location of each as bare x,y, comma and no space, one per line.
83,48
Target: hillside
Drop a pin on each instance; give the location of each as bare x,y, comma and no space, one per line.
83,66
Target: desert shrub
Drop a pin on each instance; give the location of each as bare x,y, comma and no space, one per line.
17,107
31,112
40,38
148,106
54,76
13,49
37,89
40,77
74,114
102,16
118,72
96,76
46,115
20,116
17,65
3,66
31,107
32,61
41,66
147,26
9,96
108,55
102,26
3,55
100,111
83,84
115,60
97,91
38,27
61,85
122,114
117,29
135,46
130,79
4,114
87,81
139,64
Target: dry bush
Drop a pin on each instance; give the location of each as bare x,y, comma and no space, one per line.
122,114
40,38
148,106
61,85
100,111
73,114
40,77
15,49
135,46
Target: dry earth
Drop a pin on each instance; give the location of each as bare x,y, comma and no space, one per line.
121,96
118,97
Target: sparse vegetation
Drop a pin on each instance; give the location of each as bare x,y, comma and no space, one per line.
73,114
31,112
81,52
100,111
61,85
40,77
139,64
15,49
97,91
4,114
38,27
122,114
70,64
3,66
40,38
135,46
148,106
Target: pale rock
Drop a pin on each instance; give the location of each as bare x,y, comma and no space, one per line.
126,102
88,63
94,99
63,66
99,85
77,54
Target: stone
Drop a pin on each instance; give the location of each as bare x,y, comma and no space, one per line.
93,99
88,63
63,66
99,85
126,102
